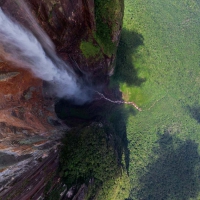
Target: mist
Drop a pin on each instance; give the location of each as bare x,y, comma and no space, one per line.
19,46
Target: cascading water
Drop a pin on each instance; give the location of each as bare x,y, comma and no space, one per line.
21,47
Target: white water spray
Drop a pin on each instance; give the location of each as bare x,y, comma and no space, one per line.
21,47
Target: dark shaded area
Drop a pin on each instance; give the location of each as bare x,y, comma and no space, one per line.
9,159
73,114
125,70
112,119
117,122
2,2
112,116
194,112
175,174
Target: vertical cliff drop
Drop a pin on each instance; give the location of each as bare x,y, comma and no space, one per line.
29,129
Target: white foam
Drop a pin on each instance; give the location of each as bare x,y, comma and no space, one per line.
24,49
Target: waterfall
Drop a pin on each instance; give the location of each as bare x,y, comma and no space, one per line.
19,46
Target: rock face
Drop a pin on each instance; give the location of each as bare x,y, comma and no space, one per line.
27,120
73,26
29,128
85,32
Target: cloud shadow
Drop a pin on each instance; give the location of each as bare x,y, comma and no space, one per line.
194,112
175,173
125,71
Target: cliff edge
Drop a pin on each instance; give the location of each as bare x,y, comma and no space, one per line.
86,35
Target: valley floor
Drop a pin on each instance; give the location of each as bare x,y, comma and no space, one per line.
158,69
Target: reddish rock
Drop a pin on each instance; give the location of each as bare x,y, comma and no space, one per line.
28,123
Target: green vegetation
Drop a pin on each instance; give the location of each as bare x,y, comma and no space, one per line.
108,15
52,194
89,156
158,69
102,41
174,174
89,50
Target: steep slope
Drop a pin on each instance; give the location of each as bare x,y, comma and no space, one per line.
29,128
85,32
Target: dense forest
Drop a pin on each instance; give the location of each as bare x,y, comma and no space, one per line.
158,69
152,154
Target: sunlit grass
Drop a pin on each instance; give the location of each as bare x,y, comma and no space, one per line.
168,62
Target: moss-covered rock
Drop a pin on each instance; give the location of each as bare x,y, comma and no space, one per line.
102,42
90,50
108,15
85,32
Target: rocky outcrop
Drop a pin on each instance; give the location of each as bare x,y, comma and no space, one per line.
69,23
27,122
78,29
29,128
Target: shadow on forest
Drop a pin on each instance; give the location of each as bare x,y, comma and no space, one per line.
114,116
125,70
175,173
194,112
118,120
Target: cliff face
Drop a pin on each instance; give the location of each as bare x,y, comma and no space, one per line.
29,128
27,122
85,32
